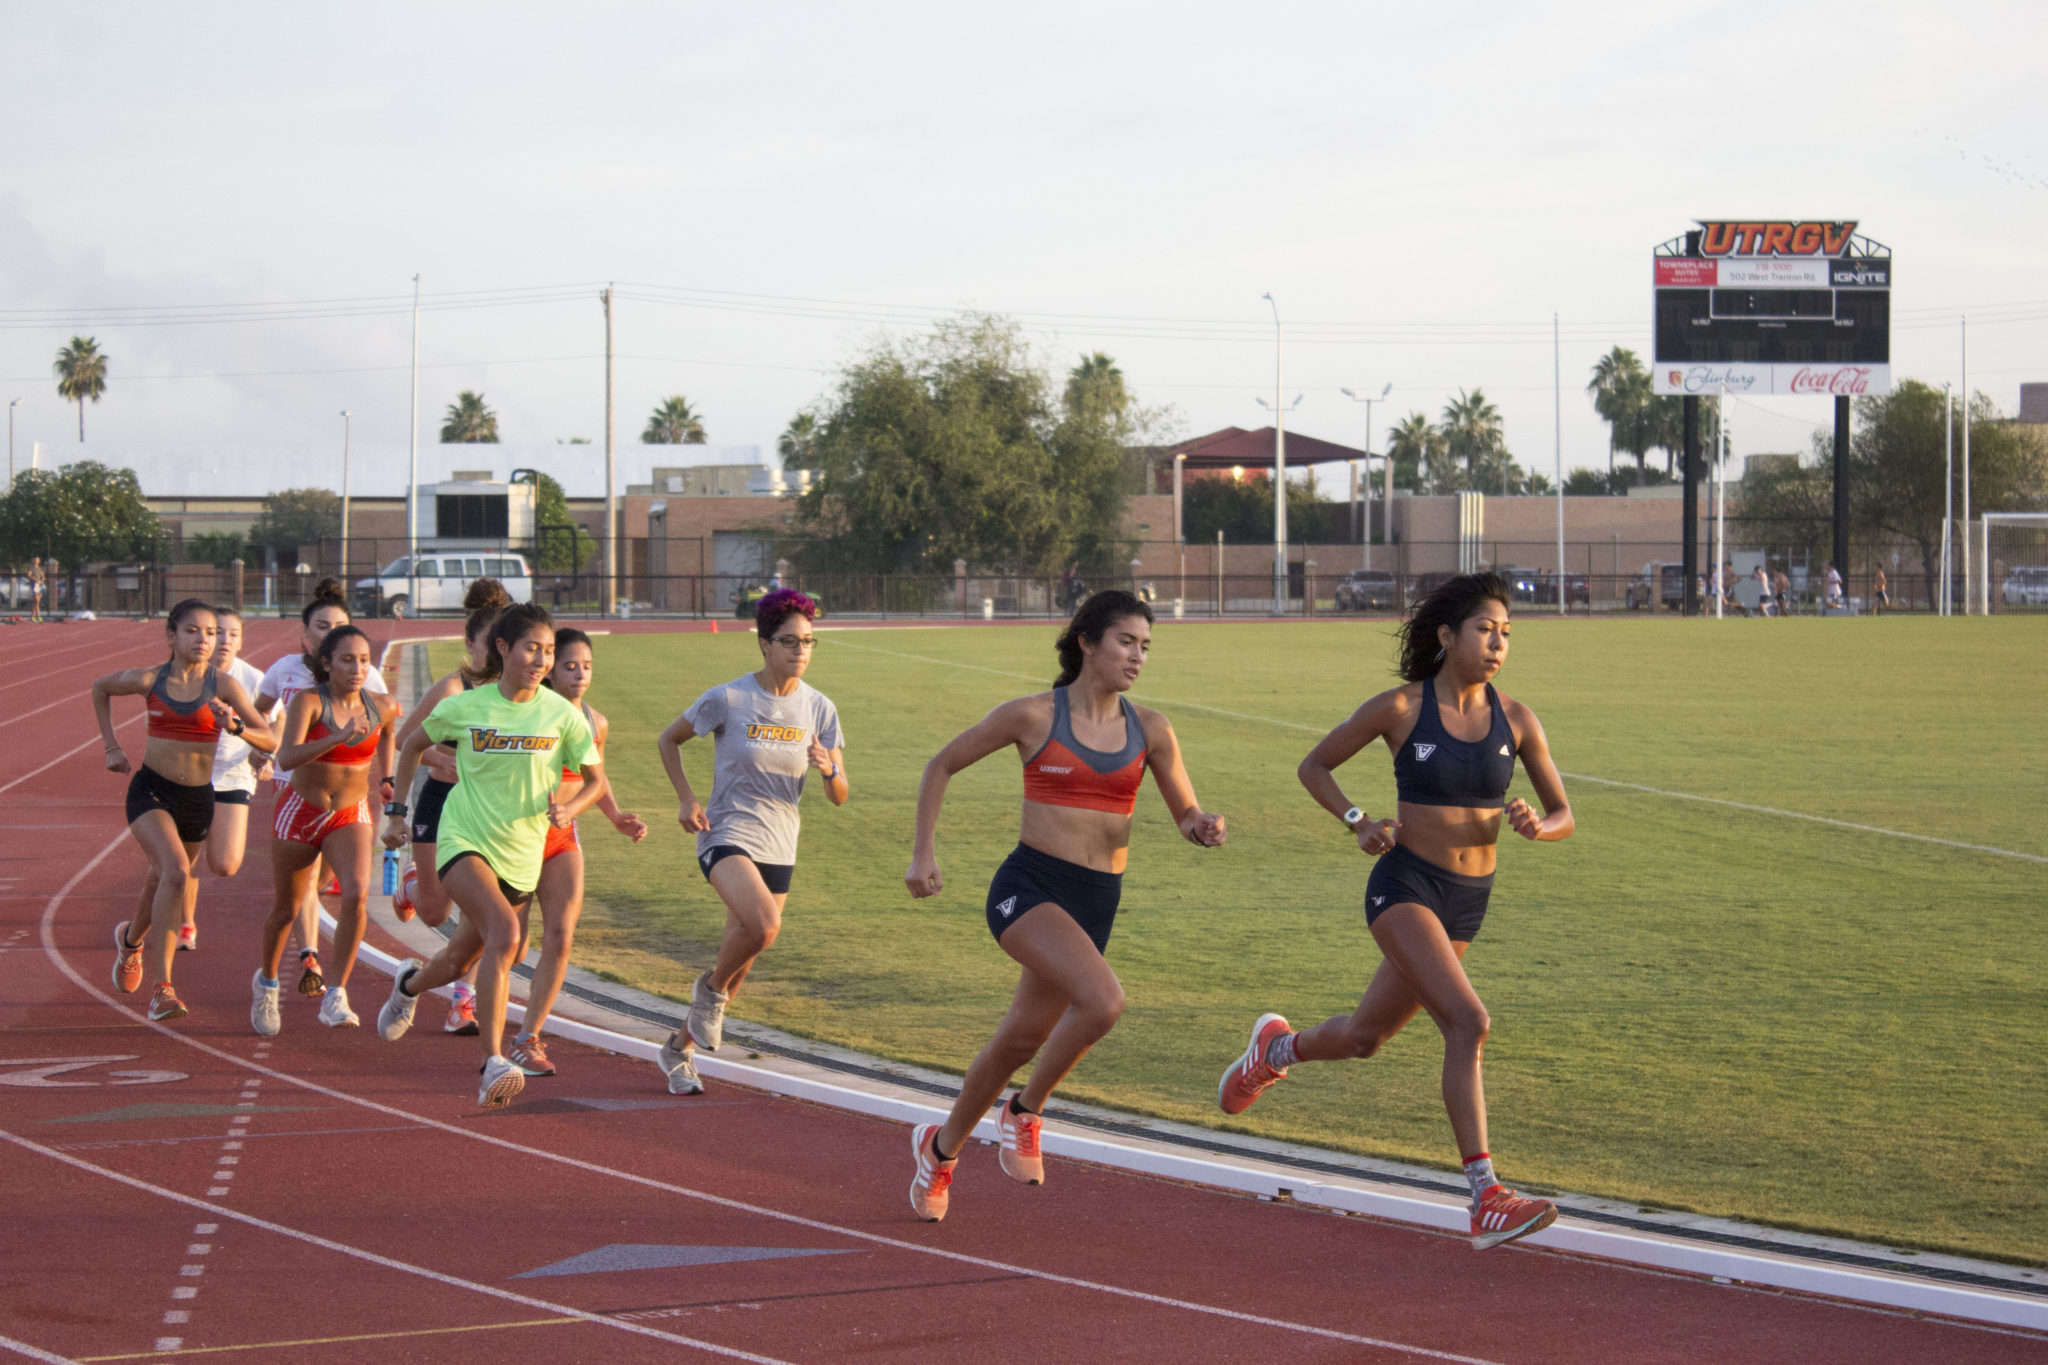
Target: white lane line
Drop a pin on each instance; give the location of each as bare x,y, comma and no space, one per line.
1576,777
93,644
387,1262
34,1352
57,958
69,752
75,696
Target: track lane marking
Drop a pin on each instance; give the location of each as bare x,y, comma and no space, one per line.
33,772
1576,777
326,1341
34,1352
56,957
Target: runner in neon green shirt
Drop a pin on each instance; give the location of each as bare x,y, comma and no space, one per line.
512,742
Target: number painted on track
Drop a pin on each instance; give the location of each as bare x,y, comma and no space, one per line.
40,1072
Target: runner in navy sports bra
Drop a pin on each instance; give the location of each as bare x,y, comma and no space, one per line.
1086,751
1454,747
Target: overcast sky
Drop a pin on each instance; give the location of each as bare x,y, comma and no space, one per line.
1433,182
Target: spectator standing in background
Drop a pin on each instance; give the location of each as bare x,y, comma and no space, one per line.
35,588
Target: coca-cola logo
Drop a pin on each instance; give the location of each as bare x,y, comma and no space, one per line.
1849,379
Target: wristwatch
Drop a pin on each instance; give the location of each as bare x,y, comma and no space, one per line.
1352,817
833,774
394,808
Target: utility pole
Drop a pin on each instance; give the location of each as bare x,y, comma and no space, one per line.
608,602
344,504
1279,466
412,478
1968,578
1557,400
1365,531
10,442
1948,499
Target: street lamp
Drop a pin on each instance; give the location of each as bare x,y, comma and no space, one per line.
1365,530
1279,465
10,442
346,592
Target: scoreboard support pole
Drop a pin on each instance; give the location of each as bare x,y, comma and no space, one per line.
1842,489
1690,535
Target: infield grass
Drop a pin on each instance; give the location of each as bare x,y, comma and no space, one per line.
1694,1006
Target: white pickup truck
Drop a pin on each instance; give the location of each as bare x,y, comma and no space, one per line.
438,581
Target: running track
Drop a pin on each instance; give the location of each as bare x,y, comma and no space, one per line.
195,1192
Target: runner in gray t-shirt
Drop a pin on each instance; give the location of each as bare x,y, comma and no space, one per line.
769,729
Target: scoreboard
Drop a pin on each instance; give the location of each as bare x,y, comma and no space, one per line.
1772,307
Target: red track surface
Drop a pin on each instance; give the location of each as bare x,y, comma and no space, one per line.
325,1196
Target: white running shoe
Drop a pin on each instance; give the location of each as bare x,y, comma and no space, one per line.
681,1070
396,1016
502,1080
707,1014
263,1012
334,1010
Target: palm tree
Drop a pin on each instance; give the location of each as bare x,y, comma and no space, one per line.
798,444
1420,463
1621,395
81,374
1609,374
1096,384
1472,434
674,423
469,421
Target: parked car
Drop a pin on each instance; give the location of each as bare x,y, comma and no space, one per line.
1425,584
438,581
1521,583
1658,585
1367,590
2027,586
1578,588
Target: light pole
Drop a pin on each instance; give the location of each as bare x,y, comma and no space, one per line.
1948,497
1180,536
1365,529
346,591
412,477
1279,465
10,442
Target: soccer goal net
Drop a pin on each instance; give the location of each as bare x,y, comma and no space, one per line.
2013,562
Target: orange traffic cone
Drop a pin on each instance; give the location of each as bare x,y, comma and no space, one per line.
714,626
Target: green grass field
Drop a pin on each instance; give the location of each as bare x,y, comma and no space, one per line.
1694,1006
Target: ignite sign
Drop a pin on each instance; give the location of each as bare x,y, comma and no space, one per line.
1772,307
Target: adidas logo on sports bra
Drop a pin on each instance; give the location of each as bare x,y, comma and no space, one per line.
1423,751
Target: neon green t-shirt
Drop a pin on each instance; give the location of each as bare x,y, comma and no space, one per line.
509,758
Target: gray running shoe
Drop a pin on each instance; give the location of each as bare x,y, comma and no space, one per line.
707,1014
263,1011
396,1016
334,1010
680,1069
501,1081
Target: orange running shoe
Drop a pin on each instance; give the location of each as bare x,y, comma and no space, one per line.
165,1005
1249,1077
402,904
1019,1153
931,1187
1503,1215
127,961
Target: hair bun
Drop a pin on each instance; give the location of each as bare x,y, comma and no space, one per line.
330,590
486,592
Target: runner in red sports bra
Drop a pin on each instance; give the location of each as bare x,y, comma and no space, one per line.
170,798
1086,750
335,734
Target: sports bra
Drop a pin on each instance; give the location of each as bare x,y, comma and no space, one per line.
325,724
1066,772
188,722
1432,768
576,774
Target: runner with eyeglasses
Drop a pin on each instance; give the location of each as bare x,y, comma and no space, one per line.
769,729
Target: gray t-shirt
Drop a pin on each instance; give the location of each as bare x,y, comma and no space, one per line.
761,752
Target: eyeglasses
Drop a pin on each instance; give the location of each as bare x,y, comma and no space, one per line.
796,641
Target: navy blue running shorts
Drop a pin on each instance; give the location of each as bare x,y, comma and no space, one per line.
426,816
190,808
775,876
1028,878
1458,901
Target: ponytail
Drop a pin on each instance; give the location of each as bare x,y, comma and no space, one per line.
1101,611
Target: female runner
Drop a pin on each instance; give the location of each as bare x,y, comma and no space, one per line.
282,681
419,888
236,770
170,799
1454,741
1085,750
513,740
560,891
334,735
769,730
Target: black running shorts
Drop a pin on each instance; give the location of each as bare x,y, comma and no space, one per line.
1458,901
1029,878
190,808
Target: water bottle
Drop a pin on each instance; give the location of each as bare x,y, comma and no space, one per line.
390,871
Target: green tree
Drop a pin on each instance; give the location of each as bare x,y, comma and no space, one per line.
81,374
1242,508
556,551
1622,396
1473,437
469,422
798,444
82,513
1420,460
296,518
218,548
674,423
952,445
